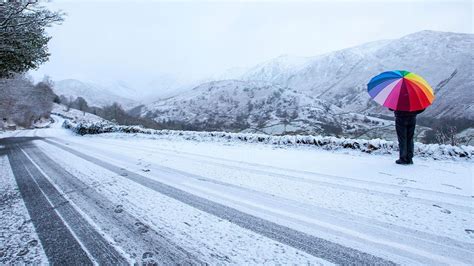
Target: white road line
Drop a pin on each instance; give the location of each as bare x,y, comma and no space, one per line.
56,211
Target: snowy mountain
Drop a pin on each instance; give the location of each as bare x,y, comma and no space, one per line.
327,93
94,94
162,86
278,70
119,88
235,104
256,106
443,59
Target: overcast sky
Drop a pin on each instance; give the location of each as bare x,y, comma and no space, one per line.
129,41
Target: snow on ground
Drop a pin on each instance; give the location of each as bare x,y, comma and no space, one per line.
74,114
42,123
414,214
213,239
242,164
9,133
19,243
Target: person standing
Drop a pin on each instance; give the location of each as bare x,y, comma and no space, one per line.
406,94
405,123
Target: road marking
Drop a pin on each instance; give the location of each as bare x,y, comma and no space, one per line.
60,246
95,245
55,208
165,251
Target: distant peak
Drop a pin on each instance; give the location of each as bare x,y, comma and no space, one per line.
434,33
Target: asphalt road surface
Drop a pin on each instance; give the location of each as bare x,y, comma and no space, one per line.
69,238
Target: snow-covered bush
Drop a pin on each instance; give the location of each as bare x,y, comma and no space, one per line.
374,146
99,127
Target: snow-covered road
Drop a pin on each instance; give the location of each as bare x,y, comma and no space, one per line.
122,198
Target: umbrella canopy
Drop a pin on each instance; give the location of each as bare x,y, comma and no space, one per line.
401,90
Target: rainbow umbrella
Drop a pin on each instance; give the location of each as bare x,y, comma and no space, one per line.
401,90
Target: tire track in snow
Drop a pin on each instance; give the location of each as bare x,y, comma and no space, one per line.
363,183
315,246
401,238
122,225
362,189
60,245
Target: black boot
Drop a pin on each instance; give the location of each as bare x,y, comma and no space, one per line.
400,161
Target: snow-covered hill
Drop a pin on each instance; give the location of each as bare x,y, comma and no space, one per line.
235,104
94,94
278,70
444,59
256,106
75,115
327,93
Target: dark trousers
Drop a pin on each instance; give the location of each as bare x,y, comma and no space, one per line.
405,131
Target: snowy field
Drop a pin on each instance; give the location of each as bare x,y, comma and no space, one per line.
357,202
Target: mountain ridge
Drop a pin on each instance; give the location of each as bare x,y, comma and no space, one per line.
94,94
331,89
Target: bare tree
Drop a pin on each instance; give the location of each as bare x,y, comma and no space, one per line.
22,102
448,136
63,100
44,97
81,104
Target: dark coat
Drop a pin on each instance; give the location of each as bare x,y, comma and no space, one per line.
407,113
405,123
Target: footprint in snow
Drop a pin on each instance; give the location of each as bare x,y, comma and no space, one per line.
221,257
118,209
33,243
443,210
404,193
142,228
404,181
25,238
147,255
470,232
446,211
147,259
23,251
